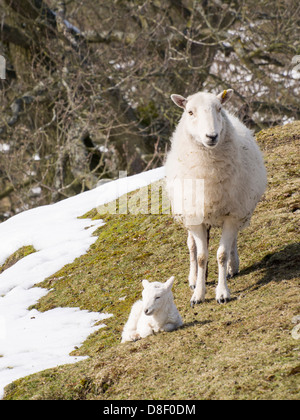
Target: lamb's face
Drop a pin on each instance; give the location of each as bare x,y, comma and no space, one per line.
203,116
155,295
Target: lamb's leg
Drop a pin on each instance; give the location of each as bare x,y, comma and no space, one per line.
233,262
169,327
144,329
193,261
130,329
229,235
200,237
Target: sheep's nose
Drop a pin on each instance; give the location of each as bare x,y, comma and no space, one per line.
212,137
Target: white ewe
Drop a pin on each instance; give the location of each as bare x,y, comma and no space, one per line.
211,145
156,312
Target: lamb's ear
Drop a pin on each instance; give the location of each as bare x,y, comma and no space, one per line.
225,96
169,283
145,283
179,101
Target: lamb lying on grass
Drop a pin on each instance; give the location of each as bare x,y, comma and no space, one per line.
156,312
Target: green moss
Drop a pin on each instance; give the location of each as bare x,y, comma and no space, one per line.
17,256
279,135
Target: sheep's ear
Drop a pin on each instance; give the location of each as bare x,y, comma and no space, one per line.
145,283
225,96
179,101
169,283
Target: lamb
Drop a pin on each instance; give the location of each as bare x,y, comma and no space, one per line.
211,145
156,312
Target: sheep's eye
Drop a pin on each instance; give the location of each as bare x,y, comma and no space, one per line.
157,297
219,109
191,113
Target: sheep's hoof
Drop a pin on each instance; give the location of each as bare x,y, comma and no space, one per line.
232,275
223,300
196,302
222,294
197,298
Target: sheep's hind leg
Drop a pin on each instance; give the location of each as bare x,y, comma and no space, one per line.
193,261
229,235
233,262
200,237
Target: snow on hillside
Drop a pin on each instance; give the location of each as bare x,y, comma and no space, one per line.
31,341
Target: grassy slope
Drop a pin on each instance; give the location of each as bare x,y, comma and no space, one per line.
241,350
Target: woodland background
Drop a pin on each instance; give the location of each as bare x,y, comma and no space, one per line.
88,83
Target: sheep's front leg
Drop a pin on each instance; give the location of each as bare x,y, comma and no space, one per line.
200,237
228,238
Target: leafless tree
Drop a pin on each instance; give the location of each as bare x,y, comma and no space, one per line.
88,83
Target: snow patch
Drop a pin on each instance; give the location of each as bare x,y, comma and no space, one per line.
31,341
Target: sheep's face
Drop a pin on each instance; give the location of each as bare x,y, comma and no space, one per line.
155,295
203,116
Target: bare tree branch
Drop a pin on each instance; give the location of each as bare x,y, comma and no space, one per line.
10,188
14,35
